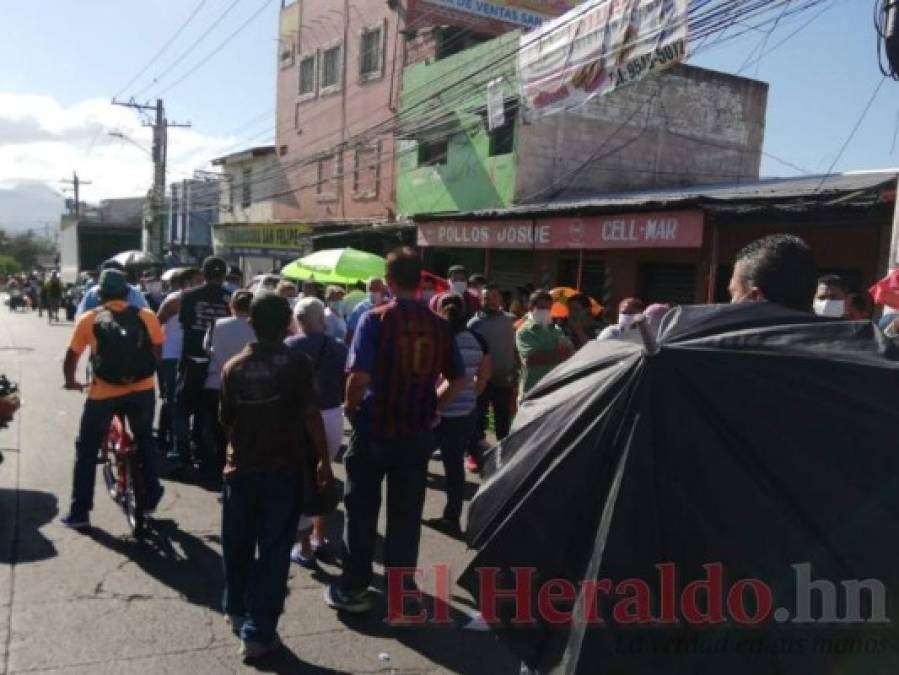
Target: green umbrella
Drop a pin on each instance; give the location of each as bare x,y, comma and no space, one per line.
336,266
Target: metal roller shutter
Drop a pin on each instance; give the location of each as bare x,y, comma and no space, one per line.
670,284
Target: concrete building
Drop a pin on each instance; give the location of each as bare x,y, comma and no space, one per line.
687,126
674,245
193,208
246,231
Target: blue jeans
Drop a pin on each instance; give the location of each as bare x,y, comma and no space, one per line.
168,378
260,509
138,409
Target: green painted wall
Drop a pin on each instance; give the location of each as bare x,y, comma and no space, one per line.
470,178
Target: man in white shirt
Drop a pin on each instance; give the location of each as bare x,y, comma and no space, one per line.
629,310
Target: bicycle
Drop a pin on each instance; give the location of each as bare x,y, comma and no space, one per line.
123,475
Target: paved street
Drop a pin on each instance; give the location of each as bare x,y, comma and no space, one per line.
106,604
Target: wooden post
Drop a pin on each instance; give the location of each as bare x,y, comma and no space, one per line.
580,267
713,263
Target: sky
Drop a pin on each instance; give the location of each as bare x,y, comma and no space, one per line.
64,61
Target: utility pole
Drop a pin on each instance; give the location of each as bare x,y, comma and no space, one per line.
154,230
77,183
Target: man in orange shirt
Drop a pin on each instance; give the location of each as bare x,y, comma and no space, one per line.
125,345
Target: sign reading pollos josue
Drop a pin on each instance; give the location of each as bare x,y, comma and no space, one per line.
660,229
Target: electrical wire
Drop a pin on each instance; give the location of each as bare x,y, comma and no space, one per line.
164,47
189,50
852,132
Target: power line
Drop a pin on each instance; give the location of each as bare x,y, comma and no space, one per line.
164,47
190,49
221,46
853,132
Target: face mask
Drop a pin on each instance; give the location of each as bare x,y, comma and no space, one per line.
375,297
459,287
541,316
627,320
834,309
427,294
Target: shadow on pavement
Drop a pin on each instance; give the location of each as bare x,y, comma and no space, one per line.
285,662
447,645
181,561
20,538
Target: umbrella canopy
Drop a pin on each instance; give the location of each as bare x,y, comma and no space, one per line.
136,259
560,298
168,274
751,439
337,266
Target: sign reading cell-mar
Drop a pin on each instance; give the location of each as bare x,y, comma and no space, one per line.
662,229
597,47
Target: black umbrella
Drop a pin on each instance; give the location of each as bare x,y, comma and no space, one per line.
752,443
136,259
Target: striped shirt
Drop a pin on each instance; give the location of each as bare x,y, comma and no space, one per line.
405,348
472,347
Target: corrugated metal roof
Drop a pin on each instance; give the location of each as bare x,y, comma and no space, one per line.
800,192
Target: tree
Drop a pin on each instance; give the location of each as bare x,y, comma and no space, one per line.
25,247
8,265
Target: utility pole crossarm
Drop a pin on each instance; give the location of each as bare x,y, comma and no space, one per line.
76,183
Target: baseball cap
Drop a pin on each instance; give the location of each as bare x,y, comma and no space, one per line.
456,268
113,282
214,267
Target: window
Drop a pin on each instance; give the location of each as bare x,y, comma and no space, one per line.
246,193
307,76
231,191
324,185
502,139
330,77
452,40
432,153
371,54
288,53
367,171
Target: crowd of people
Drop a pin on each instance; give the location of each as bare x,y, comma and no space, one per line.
258,384
42,292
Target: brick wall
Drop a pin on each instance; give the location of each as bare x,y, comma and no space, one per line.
685,127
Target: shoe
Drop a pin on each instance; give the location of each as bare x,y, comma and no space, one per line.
446,525
235,622
322,551
471,464
355,602
153,502
250,650
307,563
77,523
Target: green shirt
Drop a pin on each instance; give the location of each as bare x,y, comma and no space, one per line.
533,338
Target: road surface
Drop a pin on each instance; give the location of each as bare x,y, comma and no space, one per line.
103,603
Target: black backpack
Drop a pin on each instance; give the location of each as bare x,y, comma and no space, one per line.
124,352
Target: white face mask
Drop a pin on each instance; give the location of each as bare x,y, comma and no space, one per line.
459,287
627,320
834,309
375,297
541,316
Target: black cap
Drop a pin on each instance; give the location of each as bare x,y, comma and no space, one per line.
214,267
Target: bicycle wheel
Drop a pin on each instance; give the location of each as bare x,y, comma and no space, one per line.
135,497
109,478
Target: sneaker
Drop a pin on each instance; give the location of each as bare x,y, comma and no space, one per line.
78,523
250,650
322,551
234,621
296,556
471,464
355,602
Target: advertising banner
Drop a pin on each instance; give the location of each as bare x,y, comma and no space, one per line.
597,47
659,229
491,17
263,239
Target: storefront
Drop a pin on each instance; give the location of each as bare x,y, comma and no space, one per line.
675,246
263,247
